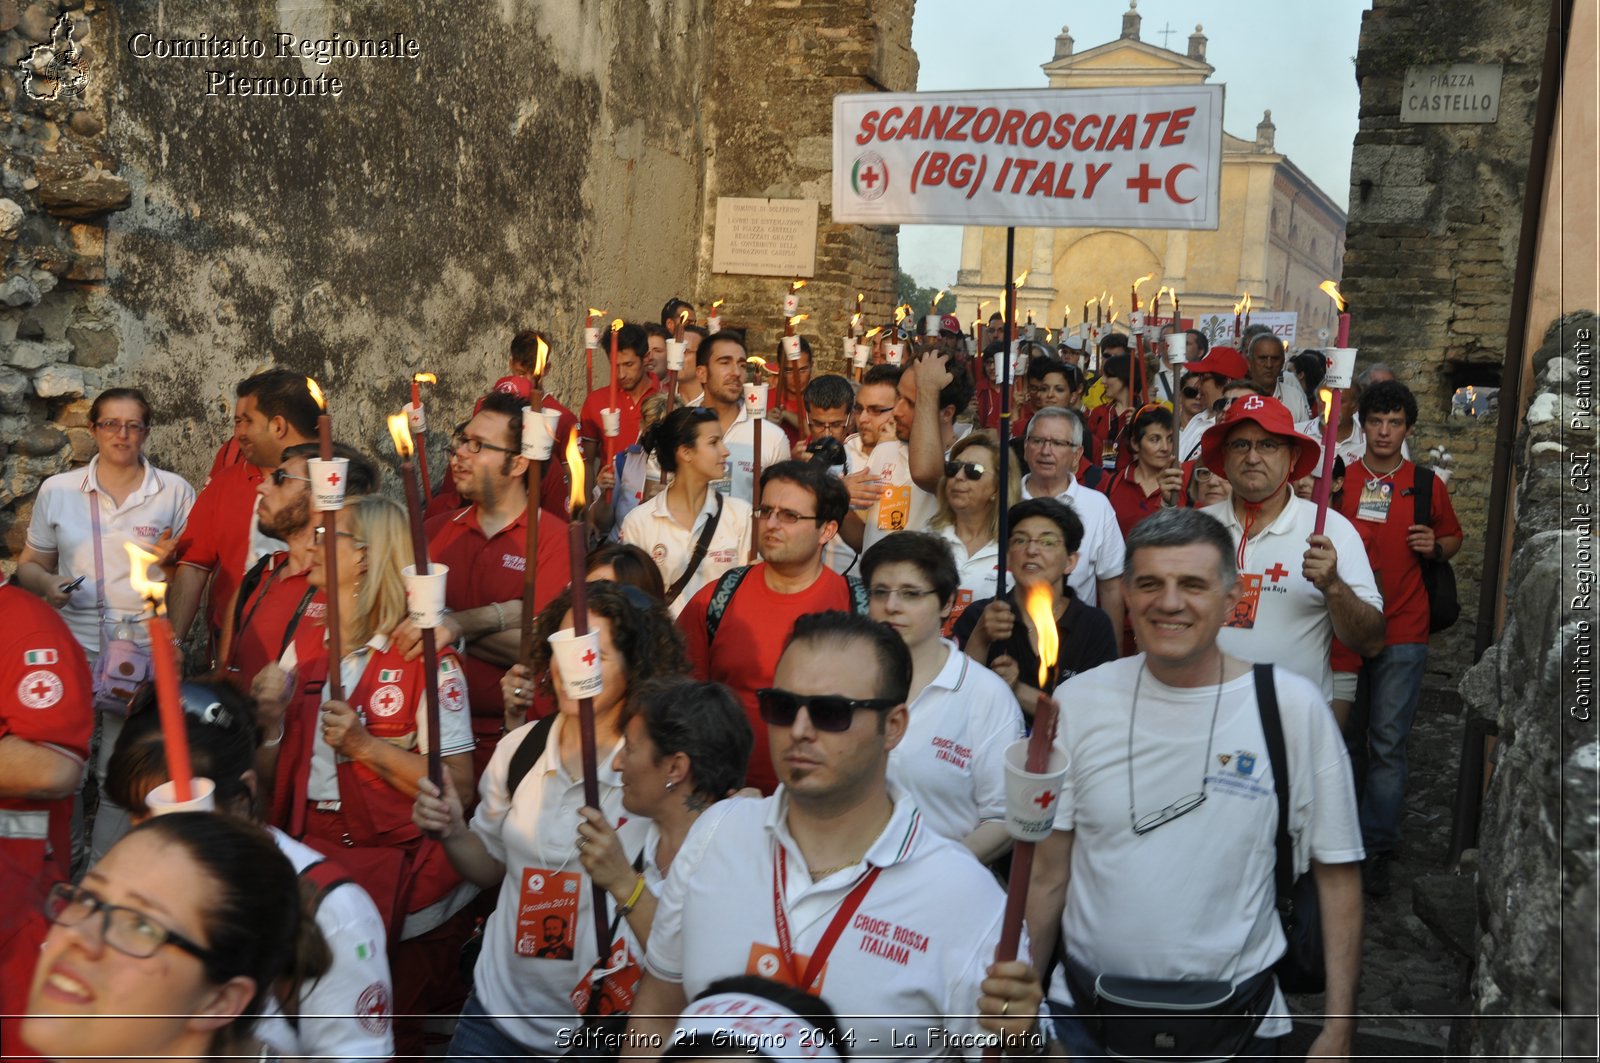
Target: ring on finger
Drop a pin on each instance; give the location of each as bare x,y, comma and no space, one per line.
1005,1008
516,691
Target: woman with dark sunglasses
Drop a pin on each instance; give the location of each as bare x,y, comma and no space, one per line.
969,515
170,946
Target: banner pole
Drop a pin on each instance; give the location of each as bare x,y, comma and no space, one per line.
1009,305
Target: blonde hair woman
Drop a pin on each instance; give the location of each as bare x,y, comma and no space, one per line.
969,516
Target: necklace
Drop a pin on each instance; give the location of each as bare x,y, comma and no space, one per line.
817,874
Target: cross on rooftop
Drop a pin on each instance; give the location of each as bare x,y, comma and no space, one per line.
1165,32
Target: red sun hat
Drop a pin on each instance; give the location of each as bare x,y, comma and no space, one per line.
1226,362
1270,416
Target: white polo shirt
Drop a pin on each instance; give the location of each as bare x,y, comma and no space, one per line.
538,833
740,439
1101,554
952,758
1194,898
890,461
977,570
1293,396
1291,626
1189,438
347,1013
651,527
917,945
61,524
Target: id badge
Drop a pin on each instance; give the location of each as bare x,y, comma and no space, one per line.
767,961
1375,497
1244,610
547,914
723,487
621,978
963,599
894,508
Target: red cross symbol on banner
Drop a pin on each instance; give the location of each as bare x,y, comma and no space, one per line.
41,689
1045,800
869,176
588,657
1144,182
1277,571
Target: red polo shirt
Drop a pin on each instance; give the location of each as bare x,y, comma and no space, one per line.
217,537
1397,567
268,619
1128,499
485,570
600,398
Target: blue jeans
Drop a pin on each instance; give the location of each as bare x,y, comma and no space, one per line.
478,1038
1080,1042
1396,686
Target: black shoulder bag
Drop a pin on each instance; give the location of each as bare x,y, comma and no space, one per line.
1438,578
701,545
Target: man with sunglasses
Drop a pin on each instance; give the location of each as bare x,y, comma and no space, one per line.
274,596
1162,862
835,885
734,628
485,547
1210,375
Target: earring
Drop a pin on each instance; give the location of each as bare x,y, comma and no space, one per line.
670,784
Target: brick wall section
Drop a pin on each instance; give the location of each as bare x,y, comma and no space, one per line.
1432,239
769,119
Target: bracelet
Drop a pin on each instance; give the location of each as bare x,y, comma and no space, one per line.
275,741
499,617
633,898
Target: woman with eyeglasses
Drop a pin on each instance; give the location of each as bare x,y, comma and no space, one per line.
969,516
1204,487
694,532
344,773
1045,535
523,840
76,559
954,703
170,947
327,1010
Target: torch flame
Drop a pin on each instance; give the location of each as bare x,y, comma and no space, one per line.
400,432
424,378
762,362
316,394
1326,395
596,313
873,331
1332,288
717,302
152,591
855,319
1041,610
575,470
1021,278
983,304
933,306
1238,307
793,321
617,323
796,284
1141,280
1091,299
1247,302
900,313
539,359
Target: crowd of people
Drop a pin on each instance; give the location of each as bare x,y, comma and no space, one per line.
815,652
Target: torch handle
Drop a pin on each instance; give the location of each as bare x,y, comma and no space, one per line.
1324,485
422,465
531,562
755,488
330,563
430,664
169,699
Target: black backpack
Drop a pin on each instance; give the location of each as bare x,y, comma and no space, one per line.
1438,578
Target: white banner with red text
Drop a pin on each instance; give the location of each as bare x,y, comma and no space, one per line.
1132,158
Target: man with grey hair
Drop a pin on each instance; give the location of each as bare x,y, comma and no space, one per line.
1131,810
1266,357
1053,445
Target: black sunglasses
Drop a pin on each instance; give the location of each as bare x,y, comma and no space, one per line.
828,712
279,476
1191,393
971,469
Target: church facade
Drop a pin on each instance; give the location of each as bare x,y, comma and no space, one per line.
1279,236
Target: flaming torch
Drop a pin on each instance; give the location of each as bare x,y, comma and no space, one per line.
400,432
1041,610
755,403
611,417
591,340
1341,363
419,428
714,319
330,554
855,320
791,300
164,658
577,554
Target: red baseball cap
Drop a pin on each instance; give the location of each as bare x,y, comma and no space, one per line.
520,386
949,325
1226,362
1270,416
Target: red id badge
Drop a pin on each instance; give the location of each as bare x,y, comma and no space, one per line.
621,979
767,961
1244,610
547,914
963,599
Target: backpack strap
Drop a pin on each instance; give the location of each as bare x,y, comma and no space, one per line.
1278,755
727,584
523,758
858,595
247,587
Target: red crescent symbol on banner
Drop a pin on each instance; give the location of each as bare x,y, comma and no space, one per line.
1172,183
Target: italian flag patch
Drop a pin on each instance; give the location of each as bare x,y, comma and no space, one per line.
390,675
45,656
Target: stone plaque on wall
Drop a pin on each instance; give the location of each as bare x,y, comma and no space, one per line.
766,237
1458,92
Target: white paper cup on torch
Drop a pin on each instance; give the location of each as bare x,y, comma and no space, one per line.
425,594
163,799
894,353
1136,322
675,352
328,483
537,438
791,304
1341,367
1177,347
591,336
861,355
930,324
1032,797
578,660
849,348
552,418
714,324
1019,363
791,348
611,422
416,419
755,399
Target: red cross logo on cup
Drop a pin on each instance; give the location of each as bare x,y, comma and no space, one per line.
1045,800
588,658
333,479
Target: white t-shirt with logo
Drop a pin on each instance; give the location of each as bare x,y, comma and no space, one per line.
1195,897
976,571
952,758
918,944
740,439
1101,555
652,528
909,507
1291,626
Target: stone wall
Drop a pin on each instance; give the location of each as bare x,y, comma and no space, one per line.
769,112
1536,892
533,160
1431,247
